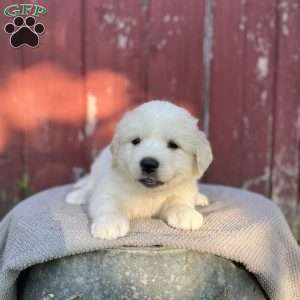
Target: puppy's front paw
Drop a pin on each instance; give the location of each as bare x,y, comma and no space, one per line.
75,197
110,226
202,200
184,218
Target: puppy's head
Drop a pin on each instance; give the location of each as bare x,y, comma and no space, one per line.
159,144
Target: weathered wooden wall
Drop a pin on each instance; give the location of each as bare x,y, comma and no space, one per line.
234,64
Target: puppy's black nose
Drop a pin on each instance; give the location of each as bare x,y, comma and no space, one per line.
149,165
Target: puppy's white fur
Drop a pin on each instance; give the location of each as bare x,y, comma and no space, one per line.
113,189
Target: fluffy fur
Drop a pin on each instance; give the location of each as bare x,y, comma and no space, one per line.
118,189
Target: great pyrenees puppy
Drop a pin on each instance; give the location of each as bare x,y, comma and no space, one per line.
150,169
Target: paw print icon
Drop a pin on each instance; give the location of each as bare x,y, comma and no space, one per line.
24,32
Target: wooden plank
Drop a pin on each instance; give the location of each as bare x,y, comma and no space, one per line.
53,97
131,59
174,42
286,158
242,93
226,103
11,135
115,70
259,79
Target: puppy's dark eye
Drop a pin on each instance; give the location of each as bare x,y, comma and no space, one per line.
172,145
136,141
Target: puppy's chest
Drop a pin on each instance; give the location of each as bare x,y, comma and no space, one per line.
143,206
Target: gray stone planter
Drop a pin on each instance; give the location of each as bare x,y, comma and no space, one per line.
139,273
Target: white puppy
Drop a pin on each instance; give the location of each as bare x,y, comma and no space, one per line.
150,169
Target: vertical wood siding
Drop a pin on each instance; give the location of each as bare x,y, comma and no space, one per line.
234,64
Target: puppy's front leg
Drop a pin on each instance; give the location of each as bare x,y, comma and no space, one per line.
108,221
181,215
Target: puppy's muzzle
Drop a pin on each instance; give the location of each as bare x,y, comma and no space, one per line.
149,165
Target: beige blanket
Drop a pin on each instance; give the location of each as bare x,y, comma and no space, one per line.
238,225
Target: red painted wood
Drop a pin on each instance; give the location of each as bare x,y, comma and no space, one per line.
11,136
174,45
53,97
258,95
286,158
242,93
114,65
226,103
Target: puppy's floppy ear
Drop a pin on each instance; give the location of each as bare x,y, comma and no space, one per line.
114,149
203,152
